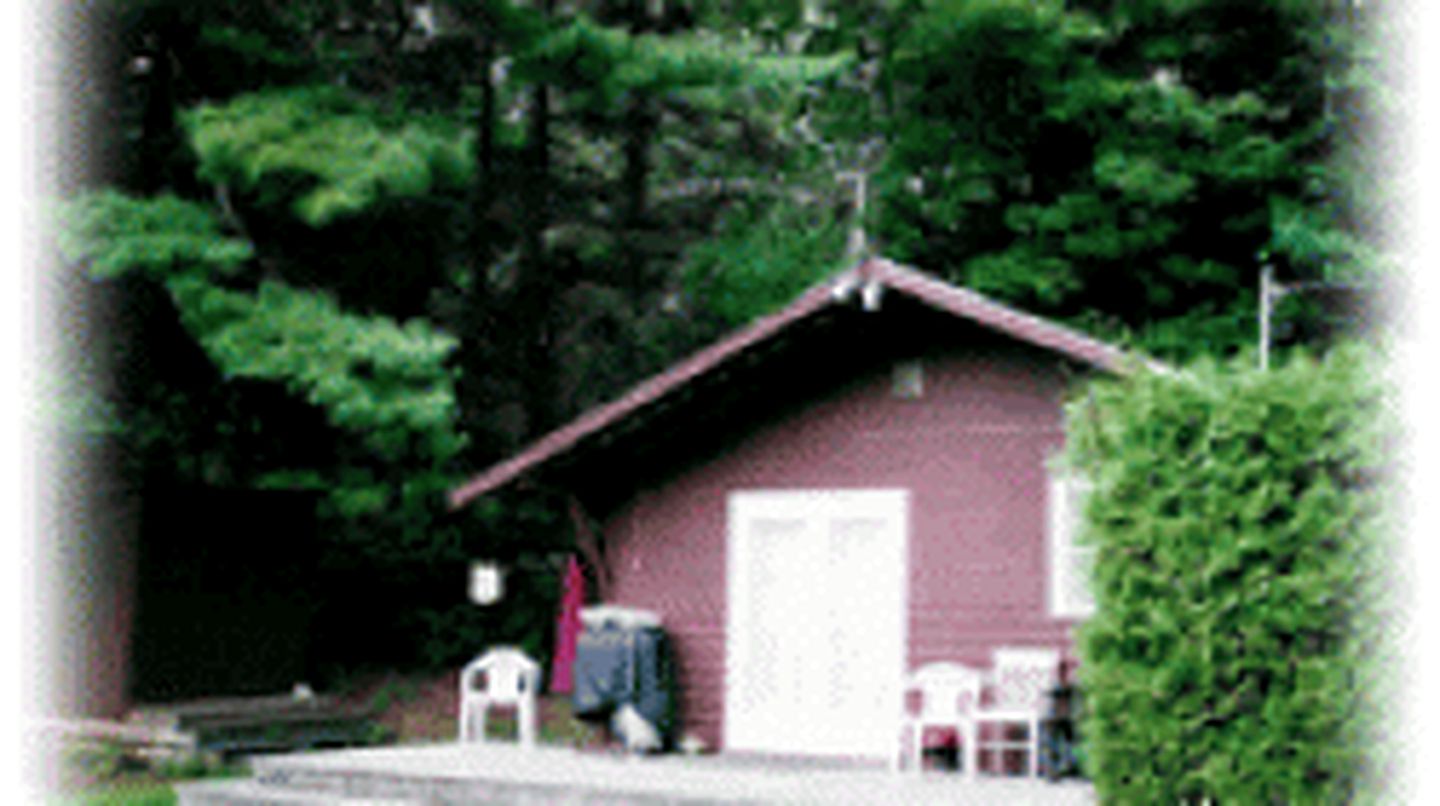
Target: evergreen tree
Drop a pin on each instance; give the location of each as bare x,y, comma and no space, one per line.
369,246
416,240
1127,166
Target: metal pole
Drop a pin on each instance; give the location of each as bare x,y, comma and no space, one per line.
1266,281
857,246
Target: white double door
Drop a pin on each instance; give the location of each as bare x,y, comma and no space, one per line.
816,621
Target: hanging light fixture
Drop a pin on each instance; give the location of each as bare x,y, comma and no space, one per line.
487,584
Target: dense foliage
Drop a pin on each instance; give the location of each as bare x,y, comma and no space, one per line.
1128,166
368,247
1239,577
385,247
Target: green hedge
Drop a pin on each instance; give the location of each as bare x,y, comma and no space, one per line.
1238,575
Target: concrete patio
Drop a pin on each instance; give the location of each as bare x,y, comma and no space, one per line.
503,773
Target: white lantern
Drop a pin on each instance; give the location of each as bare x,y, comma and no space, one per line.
486,585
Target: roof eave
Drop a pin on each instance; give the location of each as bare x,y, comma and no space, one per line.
869,279
562,439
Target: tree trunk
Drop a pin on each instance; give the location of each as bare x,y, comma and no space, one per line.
639,131
537,290
158,137
639,127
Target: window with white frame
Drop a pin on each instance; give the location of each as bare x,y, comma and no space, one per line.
1070,563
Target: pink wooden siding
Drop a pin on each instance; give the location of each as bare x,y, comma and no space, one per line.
972,452
877,275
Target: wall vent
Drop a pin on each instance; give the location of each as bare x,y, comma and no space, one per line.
907,380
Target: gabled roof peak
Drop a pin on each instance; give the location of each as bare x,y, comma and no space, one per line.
868,281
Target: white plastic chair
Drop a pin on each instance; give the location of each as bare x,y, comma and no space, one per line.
1021,680
949,696
504,676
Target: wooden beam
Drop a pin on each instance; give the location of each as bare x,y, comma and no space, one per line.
590,543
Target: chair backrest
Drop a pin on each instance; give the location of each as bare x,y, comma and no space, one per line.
1024,676
947,690
504,675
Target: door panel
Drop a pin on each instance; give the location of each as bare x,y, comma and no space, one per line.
773,681
816,625
860,623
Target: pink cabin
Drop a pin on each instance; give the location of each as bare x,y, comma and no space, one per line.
850,488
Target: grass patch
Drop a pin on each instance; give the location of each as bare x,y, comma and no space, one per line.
103,773
122,793
392,692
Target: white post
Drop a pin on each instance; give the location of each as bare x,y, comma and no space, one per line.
857,245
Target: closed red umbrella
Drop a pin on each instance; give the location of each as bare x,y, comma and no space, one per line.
567,629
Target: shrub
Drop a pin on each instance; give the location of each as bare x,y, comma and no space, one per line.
1237,528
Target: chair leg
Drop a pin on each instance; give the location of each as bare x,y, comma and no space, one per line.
971,757
916,749
1033,757
897,759
526,717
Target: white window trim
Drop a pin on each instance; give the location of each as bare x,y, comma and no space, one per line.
1067,558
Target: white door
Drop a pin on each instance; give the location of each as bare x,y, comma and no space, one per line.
816,626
